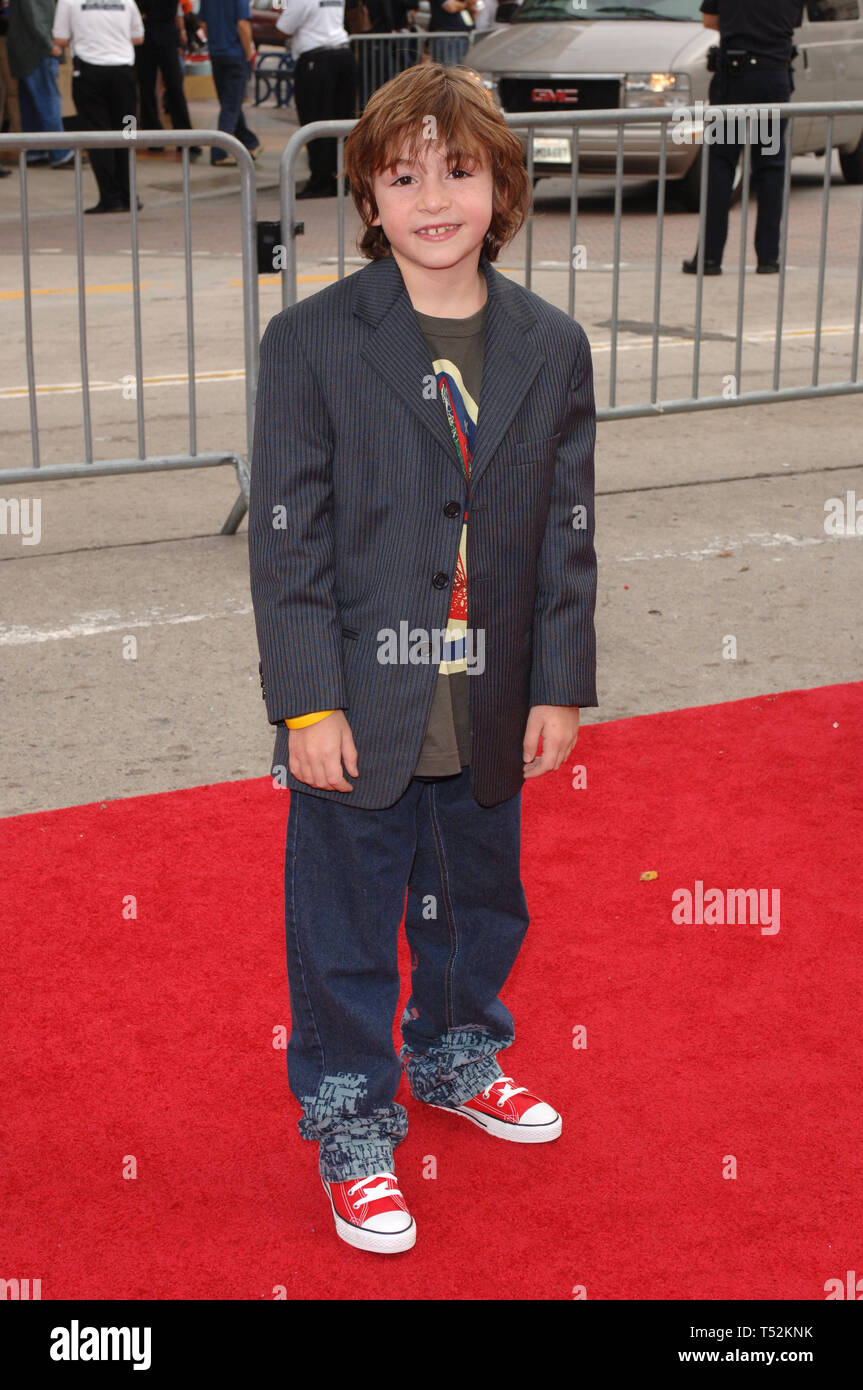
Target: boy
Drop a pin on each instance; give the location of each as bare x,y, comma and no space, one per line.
422,470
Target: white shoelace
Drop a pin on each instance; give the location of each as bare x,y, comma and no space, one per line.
506,1092
374,1194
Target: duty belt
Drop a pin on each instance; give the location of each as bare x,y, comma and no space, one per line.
741,60
323,48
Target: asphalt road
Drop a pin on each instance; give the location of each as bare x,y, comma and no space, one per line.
709,525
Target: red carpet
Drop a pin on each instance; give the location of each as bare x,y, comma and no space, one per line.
151,1037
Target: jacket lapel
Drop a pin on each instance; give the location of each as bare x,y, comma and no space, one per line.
397,352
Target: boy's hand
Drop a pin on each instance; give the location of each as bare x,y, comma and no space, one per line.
558,725
317,752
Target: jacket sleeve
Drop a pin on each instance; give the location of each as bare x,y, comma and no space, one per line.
291,534
564,641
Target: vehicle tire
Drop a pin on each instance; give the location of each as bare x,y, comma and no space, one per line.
852,164
687,191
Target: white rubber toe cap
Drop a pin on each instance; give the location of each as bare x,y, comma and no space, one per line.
388,1223
539,1114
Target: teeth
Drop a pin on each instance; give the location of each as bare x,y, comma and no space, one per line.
437,231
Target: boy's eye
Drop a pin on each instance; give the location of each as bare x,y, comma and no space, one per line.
409,176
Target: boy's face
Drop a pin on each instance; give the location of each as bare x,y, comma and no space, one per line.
412,198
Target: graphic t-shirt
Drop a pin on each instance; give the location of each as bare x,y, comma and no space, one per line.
456,348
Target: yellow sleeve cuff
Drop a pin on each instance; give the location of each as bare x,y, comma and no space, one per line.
303,719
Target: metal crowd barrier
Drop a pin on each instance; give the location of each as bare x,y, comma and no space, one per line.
529,122
143,462
573,124
380,57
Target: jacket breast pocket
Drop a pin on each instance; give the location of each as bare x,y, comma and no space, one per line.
525,451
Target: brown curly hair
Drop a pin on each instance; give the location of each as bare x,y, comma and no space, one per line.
468,126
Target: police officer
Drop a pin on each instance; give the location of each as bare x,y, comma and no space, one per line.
756,46
324,81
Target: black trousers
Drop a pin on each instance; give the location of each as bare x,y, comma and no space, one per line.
768,170
324,85
104,97
151,57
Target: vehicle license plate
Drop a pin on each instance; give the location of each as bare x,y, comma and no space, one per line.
549,150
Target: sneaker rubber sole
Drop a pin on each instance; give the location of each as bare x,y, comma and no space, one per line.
378,1242
504,1129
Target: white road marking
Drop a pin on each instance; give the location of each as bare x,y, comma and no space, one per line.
94,624
767,539
206,378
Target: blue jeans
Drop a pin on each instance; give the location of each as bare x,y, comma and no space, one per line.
231,77
346,871
39,99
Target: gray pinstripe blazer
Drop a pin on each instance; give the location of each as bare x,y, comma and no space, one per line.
355,511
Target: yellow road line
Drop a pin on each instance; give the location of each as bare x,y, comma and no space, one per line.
73,289
181,378
176,379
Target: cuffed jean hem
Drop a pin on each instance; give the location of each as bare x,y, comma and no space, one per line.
355,1146
453,1073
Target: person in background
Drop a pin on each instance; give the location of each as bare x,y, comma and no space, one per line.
164,33
756,50
8,86
33,59
232,57
381,61
103,35
457,16
324,82
484,15
193,42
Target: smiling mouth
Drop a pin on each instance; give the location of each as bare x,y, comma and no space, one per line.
438,231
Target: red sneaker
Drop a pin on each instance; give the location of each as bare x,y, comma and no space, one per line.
510,1112
371,1213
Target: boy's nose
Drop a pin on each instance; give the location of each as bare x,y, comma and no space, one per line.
434,201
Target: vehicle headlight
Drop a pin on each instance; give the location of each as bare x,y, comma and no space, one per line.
656,89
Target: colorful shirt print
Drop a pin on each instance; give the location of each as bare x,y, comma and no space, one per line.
461,409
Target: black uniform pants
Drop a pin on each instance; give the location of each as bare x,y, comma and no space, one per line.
324,84
104,97
768,170
156,55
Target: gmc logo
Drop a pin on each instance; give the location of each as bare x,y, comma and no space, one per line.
543,94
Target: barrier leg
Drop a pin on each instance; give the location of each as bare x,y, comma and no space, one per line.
235,516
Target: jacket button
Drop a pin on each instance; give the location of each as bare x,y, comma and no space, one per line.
452,509
441,580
